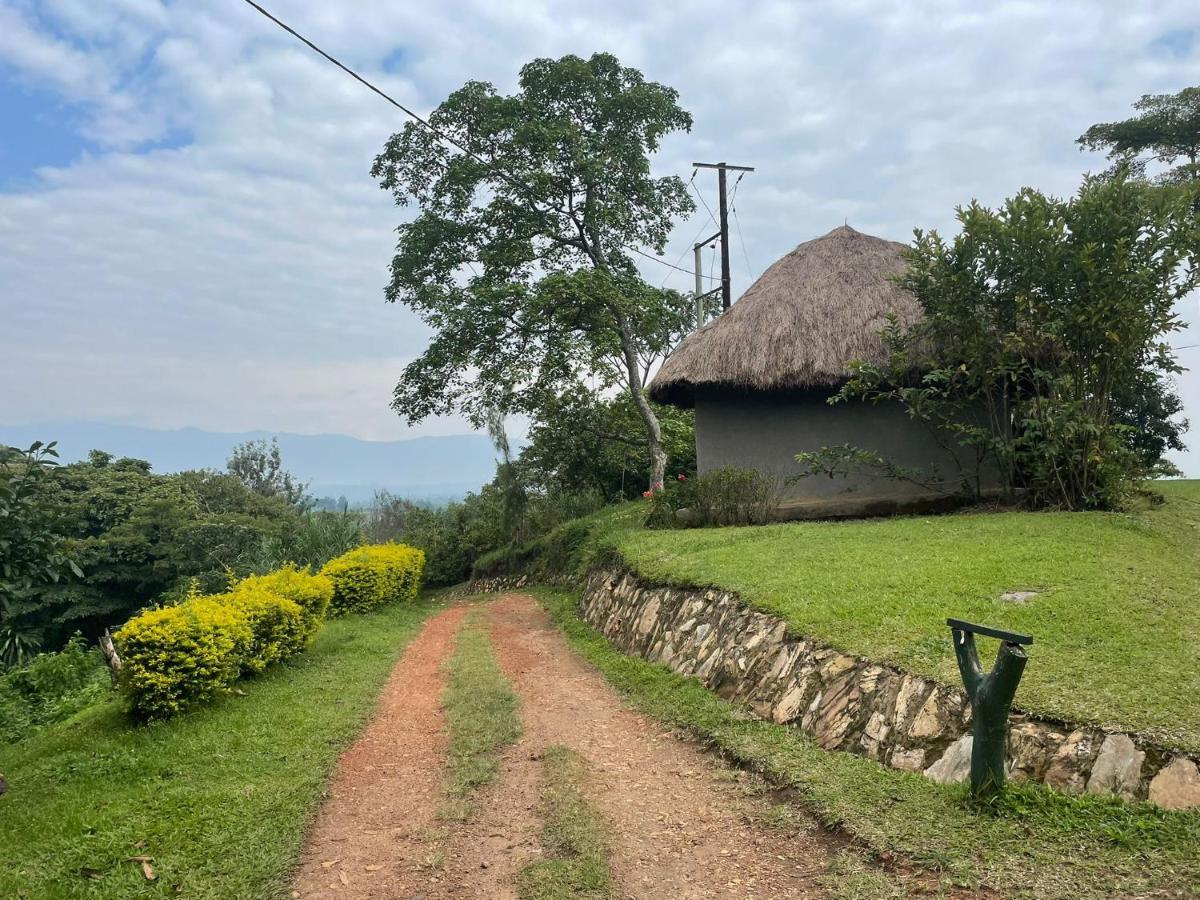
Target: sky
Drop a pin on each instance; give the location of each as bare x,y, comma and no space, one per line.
189,234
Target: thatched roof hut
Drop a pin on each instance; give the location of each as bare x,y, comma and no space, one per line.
800,325
760,376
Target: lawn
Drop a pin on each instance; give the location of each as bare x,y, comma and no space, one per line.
1033,842
219,798
1116,620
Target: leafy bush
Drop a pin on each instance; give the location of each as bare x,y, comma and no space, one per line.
727,496
1045,340
50,688
317,537
277,625
311,593
178,656
372,575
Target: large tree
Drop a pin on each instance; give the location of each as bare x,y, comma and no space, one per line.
1166,130
521,257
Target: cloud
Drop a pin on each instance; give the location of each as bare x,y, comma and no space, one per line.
224,239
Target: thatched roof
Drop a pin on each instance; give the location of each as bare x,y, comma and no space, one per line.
800,325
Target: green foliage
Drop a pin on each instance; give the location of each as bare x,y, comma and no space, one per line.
140,537
730,495
258,466
1166,129
565,552
523,266
372,575
454,537
1044,323
311,540
50,688
579,444
32,547
178,656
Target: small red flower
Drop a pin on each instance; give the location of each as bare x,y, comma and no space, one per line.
647,494
682,477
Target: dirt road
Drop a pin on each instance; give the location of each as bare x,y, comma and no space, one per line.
681,824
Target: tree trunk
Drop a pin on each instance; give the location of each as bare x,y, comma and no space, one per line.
109,650
658,458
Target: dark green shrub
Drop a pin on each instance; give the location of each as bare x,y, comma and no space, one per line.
50,688
727,496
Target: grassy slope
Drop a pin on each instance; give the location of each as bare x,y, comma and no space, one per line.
1117,623
1037,843
220,798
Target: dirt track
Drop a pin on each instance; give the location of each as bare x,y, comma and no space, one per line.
681,824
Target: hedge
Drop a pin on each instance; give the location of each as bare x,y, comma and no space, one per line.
366,577
311,592
181,655
277,625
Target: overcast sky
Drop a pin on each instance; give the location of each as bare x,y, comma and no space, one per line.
189,234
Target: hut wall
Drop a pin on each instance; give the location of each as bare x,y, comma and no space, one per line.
765,430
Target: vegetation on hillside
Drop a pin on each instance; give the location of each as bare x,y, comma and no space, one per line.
219,797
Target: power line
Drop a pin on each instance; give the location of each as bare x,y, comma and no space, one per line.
691,244
491,165
667,264
738,224
700,197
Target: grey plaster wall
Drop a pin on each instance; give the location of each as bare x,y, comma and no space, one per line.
765,431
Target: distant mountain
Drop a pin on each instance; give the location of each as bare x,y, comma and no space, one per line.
428,468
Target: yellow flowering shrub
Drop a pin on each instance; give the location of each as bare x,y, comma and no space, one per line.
311,592
181,655
277,625
368,576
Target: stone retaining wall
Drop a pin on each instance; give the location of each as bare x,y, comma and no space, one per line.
852,704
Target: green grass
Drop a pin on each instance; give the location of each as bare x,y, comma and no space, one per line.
481,710
220,798
1034,842
1116,622
573,837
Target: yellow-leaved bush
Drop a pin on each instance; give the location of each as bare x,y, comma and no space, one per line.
311,592
181,655
276,624
369,576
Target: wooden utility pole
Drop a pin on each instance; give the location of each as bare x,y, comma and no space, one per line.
701,294
722,168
